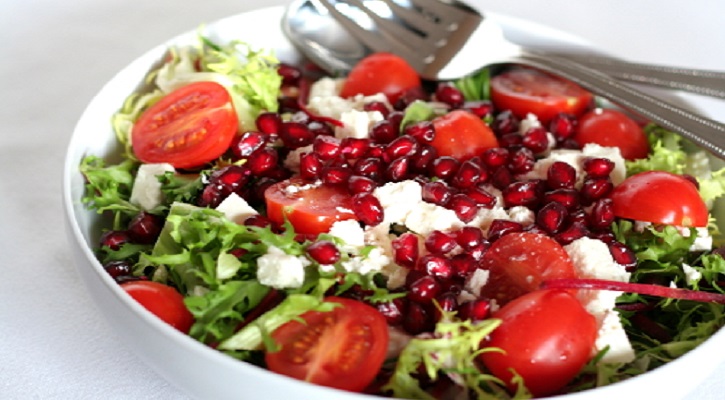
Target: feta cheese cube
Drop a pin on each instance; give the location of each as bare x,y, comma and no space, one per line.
522,215
236,209
357,124
350,232
280,270
426,217
398,199
476,281
146,191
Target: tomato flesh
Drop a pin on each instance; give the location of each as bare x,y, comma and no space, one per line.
662,198
163,301
519,262
311,209
547,337
343,348
612,128
525,90
461,134
381,73
187,128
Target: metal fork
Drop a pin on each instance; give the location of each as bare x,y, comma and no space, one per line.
445,40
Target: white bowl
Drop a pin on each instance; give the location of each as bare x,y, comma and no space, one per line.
206,373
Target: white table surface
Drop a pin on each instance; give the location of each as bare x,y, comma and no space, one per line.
55,55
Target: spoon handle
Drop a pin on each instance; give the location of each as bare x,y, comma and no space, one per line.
703,131
704,82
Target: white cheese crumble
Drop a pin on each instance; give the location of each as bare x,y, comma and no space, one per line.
476,281
292,161
398,199
281,270
351,233
357,124
576,159
691,274
146,191
236,209
522,215
592,259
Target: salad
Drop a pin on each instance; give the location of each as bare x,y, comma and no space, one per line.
504,235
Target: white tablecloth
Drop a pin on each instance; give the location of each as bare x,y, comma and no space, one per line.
55,55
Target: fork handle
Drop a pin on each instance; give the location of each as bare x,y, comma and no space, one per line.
704,82
703,131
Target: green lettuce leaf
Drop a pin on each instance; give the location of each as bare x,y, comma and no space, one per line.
108,188
476,86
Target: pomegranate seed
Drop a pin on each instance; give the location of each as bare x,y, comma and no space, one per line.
114,239
464,207
521,193
521,161
470,237
324,252
231,178
424,290
296,135
145,228
260,186
397,170
118,269
570,144
500,227
560,175
402,146
623,255
562,126
370,167
320,129
335,175
289,104
481,196
551,217
405,250
605,236
360,184
435,266
468,175
367,207
511,140
310,166
290,74
505,122
601,215
501,178
424,158
417,319
444,167
326,147
576,230
569,198
353,148
393,310
474,310
495,157
211,196
396,118
376,150
383,132
269,122
536,139
463,265
482,108
412,276
595,188
437,193
408,97
257,220
247,144
449,94
692,180
378,106
598,167
423,131
262,160
439,242
447,302
578,215
451,286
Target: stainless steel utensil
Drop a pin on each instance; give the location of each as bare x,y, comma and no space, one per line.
450,40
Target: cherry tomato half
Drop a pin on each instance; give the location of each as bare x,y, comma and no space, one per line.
462,134
343,348
381,73
526,90
661,198
163,301
310,209
612,128
188,127
547,337
519,262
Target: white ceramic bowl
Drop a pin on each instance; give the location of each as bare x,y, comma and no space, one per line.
206,373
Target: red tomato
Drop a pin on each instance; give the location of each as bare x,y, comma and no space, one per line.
188,127
462,134
519,262
525,90
163,301
310,209
381,73
343,348
661,198
547,337
612,128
